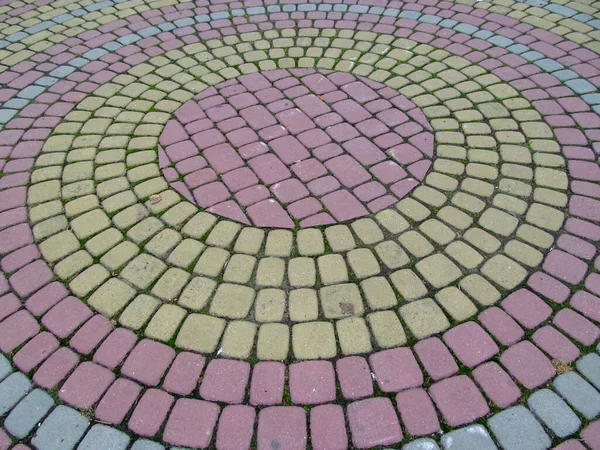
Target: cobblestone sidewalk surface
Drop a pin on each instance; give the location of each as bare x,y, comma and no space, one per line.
282,225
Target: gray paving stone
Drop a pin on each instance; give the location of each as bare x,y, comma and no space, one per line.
549,65
144,444
128,39
30,92
62,71
466,28
517,49
421,444
560,9
63,18
16,36
502,41
202,18
589,367
147,32
277,8
167,26
581,17
5,367
378,10
409,15
95,53
238,12
104,437
361,9
474,437
581,86
429,18
79,12
391,12
580,394
16,103
39,27
28,413
185,22
592,99
448,23
306,7
7,114
252,11
13,389
566,74
483,34
532,56
46,81
336,8
112,46
63,428
517,429
219,15
554,412
78,62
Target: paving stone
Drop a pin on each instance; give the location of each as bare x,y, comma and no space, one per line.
28,413
459,400
373,422
13,389
473,437
578,393
106,437
554,412
589,367
62,429
516,428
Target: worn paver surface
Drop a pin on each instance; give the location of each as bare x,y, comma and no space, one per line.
286,225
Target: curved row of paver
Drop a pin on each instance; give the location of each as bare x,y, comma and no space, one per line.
469,340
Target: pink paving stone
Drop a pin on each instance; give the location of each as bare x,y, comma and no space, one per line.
528,364
191,423
5,440
577,326
115,347
501,325
66,317
587,304
254,82
459,400
230,210
197,177
236,427
35,351
117,401
497,384
565,266
258,117
312,382
289,191
242,137
289,149
220,113
585,207
373,422
591,435
56,368
343,205
15,237
342,132
17,329
181,150
272,132
150,413
557,345
417,412
282,427
328,428
184,373
369,191
360,92
172,133
312,105
354,376
86,385
268,379
527,308
225,381
584,170
269,168
388,172
571,444
396,369
269,213
352,111
223,158
89,336
148,361
318,83
364,151
471,344
592,283
208,138
211,194
309,169
8,305
549,287
295,120
189,112
31,278
12,198
436,358
19,258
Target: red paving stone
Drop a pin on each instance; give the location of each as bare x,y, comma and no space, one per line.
417,412
191,423
396,369
528,364
225,381
373,422
282,427
459,400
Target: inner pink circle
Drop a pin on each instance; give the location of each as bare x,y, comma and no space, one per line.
284,148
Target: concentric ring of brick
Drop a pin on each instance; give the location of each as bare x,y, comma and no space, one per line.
250,145
530,319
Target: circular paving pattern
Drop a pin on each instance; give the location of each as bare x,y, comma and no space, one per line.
302,141
220,222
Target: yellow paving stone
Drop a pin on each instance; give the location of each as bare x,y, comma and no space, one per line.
111,297
438,270
456,303
408,284
170,284
270,305
504,271
303,305
232,300
270,272
353,335
481,290
211,262
238,339
302,272
332,269
313,340
165,322
341,300
200,333
424,318
273,341
340,238
239,268
386,329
